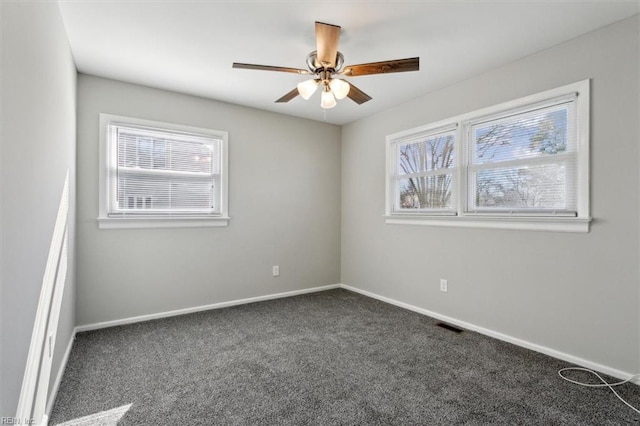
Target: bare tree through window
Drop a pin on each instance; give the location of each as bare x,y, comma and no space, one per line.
432,159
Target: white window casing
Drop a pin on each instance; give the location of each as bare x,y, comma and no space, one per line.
155,174
522,164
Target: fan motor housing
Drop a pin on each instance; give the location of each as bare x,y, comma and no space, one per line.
316,67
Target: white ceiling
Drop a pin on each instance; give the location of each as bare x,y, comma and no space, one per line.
189,46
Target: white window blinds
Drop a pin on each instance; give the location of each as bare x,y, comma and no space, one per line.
524,162
162,172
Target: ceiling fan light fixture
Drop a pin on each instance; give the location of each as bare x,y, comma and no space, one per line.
328,100
325,63
340,88
307,88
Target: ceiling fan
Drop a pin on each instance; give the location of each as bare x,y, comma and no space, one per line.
326,64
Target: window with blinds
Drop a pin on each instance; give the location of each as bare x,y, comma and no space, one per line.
524,161
162,170
523,164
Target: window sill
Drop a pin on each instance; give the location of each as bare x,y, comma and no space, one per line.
161,222
554,224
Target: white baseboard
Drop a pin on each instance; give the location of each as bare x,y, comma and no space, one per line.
176,312
56,385
500,336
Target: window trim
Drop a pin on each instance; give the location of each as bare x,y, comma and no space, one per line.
105,221
499,220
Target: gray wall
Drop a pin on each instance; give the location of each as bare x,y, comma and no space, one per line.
38,147
284,203
573,293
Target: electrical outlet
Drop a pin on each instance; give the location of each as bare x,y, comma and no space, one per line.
276,270
443,285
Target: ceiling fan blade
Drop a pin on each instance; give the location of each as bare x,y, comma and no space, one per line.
269,68
384,67
327,37
286,98
357,95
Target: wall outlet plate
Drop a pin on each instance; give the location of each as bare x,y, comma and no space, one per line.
444,287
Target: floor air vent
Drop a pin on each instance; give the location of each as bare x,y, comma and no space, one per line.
449,327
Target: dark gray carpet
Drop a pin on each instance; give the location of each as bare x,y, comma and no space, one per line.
333,357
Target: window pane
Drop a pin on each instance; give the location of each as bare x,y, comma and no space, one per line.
431,153
164,153
425,192
180,194
529,135
527,187
190,157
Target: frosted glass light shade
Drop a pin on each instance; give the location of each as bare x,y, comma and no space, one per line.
328,100
307,88
340,88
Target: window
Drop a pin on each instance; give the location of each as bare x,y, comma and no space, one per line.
425,171
521,165
159,175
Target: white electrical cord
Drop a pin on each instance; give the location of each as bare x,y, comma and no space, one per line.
599,385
